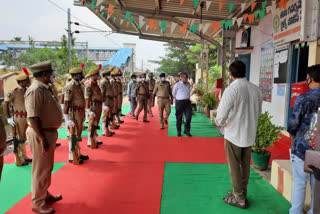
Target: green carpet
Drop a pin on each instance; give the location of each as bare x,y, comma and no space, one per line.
201,126
63,131
16,184
199,188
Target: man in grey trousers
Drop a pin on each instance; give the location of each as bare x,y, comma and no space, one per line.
132,94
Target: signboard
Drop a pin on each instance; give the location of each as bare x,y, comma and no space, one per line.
287,22
266,72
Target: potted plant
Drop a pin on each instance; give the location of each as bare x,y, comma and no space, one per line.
209,102
267,134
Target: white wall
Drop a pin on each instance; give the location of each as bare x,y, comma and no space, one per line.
260,35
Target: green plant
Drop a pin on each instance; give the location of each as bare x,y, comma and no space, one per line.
267,134
209,101
199,90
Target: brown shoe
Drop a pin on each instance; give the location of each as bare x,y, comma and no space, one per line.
45,209
53,198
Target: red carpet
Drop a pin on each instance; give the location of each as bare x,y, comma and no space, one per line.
125,174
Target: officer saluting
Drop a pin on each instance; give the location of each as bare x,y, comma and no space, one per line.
165,98
19,118
74,113
93,97
44,118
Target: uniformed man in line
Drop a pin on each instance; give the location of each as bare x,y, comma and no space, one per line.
74,110
163,92
120,95
62,97
19,118
108,101
44,118
115,88
142,93
3,138
93,97
152,83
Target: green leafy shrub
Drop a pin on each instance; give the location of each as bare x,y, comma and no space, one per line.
209,101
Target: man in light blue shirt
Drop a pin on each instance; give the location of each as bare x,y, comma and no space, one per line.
132,94
181,93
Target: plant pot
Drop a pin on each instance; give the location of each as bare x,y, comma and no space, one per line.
207,112
261,162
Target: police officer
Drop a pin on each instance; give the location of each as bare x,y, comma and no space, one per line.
142,92
44,118
115,88
152,83
93,97
108,102
74,111
19,118
120,95
163,92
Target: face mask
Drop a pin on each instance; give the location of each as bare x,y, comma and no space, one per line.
52,79
99,77
163,78
134,80
109,77
142,79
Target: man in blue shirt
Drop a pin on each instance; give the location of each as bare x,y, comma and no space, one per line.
301,127
132,94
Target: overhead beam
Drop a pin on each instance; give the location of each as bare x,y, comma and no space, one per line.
185,49
157,7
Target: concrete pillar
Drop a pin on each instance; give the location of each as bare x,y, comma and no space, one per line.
314,53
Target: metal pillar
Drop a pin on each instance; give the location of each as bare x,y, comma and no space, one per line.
69,39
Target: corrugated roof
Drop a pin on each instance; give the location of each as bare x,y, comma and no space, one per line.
6,47
119,58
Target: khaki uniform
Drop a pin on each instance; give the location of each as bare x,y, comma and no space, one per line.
115,89
73,93
152,83
142,95
3,138
94,96
163,91
16,97
108,99
41,102
120,96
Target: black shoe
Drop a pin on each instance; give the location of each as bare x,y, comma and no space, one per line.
24,163
179,134
29,160
188,134
58,144
137,118
112,133
166,122
99,142
121,121
146,121
85,127
122,115
84,157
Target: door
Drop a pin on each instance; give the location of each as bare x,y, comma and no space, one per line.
246,59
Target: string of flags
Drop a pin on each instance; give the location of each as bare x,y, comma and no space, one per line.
153,24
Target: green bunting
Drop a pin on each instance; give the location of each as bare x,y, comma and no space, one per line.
256,13
92,4
102,13
231,5
128,14
114,19
228,24
222,23
193,28
262,13
163,26
139,26
264,4
131,20
196,2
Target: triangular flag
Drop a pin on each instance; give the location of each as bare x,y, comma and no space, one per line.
239,21
205,28
121,21
194,28
92,4
181,2
220,6
97,10
245,17
243,7
283,4
251,18
269,8
253,5
108,16
102,14
114,19
141,24
110,9
152,24
200,27
183,28
163,26
173,26
231,5
211,26
196,2
128,14
141,18
262,13
256,13
264,4
217,26
131,20
222,23
234,19
228,24
208,3
99,2
147,27
101,8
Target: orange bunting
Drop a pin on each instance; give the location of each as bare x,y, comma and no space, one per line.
251,18
253,6
128,23
211,26
181,2
283,4
217,26
152,24
110,9
183,28
97,10
220,6
245,17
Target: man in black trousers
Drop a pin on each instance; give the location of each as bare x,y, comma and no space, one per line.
181,93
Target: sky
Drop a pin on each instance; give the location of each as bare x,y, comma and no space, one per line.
43,21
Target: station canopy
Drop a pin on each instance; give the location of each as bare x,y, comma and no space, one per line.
178,20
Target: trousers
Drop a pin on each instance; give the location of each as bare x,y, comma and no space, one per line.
143,104
164,104
183,107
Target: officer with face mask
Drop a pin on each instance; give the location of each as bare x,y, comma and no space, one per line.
163,92
142,95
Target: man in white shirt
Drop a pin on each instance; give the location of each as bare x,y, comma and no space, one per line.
181,93
238,113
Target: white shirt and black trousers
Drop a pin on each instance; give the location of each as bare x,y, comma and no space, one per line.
181,93
238,113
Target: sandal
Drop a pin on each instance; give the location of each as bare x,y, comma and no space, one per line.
230,193
231,200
